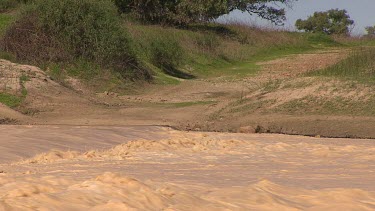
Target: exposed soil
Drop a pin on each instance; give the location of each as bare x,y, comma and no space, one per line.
280,99
296,65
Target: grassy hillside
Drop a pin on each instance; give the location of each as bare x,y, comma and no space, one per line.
216,50
169,54
359,66
223,57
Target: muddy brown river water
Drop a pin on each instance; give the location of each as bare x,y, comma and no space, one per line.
158,168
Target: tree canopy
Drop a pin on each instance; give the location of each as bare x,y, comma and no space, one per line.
333,21
181,12
370,31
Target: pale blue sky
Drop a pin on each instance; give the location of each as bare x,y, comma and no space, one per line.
361,11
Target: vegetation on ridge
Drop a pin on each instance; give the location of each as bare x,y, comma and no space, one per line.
64,31
186,12
92,41
359,65
333,21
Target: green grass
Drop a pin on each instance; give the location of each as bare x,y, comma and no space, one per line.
13,100
224,68
359,66
364,42
242,107
5,20
271,86
10,100
220,67
203,51
90,75
7,56
321,40
165,79
207,53
23,80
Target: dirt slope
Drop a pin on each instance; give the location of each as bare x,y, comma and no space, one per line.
10,116
278,99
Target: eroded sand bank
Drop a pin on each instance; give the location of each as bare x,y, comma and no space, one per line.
153,168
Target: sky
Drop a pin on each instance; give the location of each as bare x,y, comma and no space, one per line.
361,11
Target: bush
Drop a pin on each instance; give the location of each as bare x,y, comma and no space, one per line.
12,101
6,5
29,43
67,30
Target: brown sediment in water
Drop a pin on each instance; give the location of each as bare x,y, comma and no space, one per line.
171,170
110,191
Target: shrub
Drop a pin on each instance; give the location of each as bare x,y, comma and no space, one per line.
29,43
66,30
6,5
12,101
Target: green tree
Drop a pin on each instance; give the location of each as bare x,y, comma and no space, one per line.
370,31
183,12
333,21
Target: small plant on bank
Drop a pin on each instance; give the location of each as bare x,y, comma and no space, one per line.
10,100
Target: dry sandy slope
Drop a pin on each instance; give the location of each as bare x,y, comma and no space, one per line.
8,115
270,99
163,169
